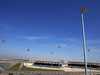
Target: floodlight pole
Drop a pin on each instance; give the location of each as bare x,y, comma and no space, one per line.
1,50
89,60
59,59
3,41
85,60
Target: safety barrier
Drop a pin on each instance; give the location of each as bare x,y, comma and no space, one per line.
55,73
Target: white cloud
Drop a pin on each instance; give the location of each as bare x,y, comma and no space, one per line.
34,38
97,41
72,39
5,27
54,46
62,45
95,50
93,42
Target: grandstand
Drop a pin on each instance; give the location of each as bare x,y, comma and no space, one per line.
51,64
72,64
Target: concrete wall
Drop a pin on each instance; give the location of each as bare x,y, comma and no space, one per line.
28,64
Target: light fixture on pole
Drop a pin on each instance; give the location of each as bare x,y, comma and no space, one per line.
51,58
84,11
3,41
51,55
59,58
28,51
89,60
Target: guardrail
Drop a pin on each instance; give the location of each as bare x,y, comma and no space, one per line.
44,73
52,73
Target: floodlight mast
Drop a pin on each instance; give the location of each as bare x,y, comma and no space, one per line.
59,58
83,10
3,41
89,60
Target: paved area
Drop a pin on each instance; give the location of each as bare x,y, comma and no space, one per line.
44,73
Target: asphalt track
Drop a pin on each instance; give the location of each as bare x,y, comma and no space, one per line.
45,73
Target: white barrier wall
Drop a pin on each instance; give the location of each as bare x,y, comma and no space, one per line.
28,64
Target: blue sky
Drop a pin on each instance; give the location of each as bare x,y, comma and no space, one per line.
42,25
